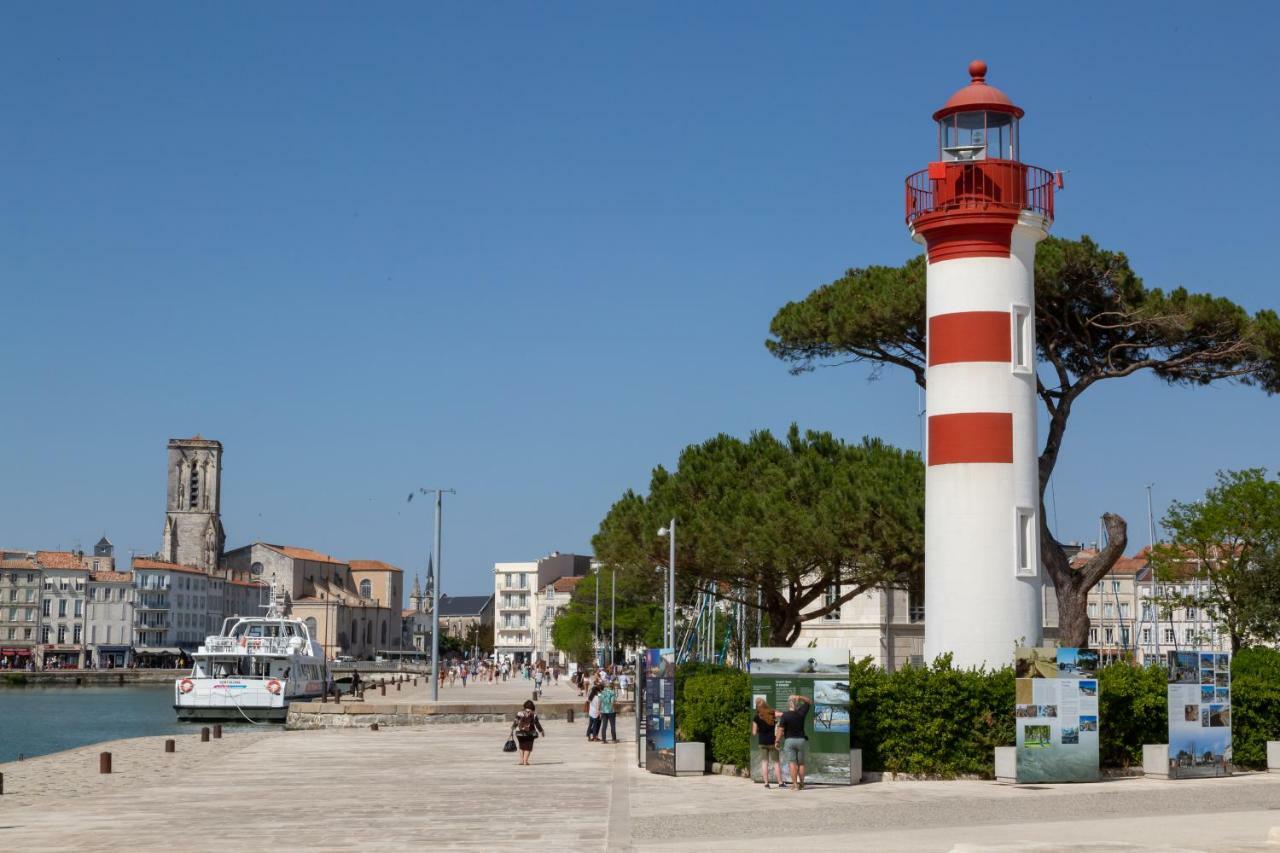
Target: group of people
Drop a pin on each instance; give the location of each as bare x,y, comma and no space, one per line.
782,739
601,690
602,716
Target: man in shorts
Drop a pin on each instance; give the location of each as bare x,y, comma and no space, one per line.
795,743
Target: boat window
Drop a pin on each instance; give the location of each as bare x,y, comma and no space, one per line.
255,631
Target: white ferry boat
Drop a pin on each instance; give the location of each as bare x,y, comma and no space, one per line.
252,670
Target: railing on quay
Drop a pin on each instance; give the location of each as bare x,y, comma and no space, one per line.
979,185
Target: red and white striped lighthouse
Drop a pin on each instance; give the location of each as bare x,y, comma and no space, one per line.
980,211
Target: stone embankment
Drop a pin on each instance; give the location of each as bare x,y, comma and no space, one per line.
94,677
355,714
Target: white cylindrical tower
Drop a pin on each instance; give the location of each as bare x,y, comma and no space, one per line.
980,211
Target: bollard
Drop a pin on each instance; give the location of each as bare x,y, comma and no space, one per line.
217,731
120,680
104,762
568,715
397,687
170,745
1,784
383,688
373,727
415,682
324,698
204,734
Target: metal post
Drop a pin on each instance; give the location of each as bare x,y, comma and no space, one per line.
671,588
613,612
435,598
597,633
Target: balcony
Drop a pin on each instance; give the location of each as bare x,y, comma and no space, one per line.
979,185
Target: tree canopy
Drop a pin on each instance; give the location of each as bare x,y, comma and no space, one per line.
1230,539
1095,320
788,519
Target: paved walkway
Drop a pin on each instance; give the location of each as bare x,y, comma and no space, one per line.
450,787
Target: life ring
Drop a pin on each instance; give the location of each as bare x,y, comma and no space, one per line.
186,685
273,687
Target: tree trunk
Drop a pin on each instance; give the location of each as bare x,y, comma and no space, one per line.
1073,585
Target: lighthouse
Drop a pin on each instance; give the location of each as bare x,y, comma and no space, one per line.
979,212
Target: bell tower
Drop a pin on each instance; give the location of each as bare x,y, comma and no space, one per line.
193,534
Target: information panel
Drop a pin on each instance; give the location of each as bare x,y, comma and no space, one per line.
822,677
660,711
1056,714
1199,714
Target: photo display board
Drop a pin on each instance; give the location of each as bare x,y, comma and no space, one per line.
822,677
1199,714
660,711
1056,714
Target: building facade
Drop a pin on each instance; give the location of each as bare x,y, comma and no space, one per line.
517,625
20,594
461,615
885,624
555,597
109,619
62,609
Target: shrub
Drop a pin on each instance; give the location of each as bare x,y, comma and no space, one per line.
936,720
1255,705
1132,703
713,705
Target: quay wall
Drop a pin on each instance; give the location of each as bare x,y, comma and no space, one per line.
344,715
86,677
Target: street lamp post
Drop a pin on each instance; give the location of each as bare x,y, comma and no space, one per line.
670,604
613,613
435,594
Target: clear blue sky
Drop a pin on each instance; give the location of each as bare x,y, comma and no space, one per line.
531,250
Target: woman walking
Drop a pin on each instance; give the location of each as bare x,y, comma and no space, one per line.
526,729
593,712
762,726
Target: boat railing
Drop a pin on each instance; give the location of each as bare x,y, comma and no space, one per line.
251,645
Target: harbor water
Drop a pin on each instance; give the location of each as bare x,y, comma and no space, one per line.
36,720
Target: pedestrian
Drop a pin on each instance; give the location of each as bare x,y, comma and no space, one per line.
464,676
795,743
762,726
537,681
526,729
593,713
608,716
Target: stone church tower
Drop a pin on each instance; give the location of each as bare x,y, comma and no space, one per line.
193,532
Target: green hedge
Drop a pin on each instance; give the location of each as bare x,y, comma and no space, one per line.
936,720
713,705
1255,705
1131,712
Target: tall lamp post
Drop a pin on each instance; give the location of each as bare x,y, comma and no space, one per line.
596,637
613,612
670,604
435,594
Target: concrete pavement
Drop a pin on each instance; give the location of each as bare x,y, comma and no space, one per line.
451,787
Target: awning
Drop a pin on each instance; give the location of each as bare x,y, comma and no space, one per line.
20,652
163,651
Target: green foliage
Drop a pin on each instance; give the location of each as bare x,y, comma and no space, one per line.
1132,703
636,613
1230,538
713,705
786,517
936,720
1255,704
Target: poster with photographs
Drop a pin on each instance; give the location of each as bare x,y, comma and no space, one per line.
1056,715
660,711
1199,714
822,677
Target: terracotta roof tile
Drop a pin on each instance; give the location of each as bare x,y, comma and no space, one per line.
111,577
565,584
371,566
306,554
161,565
60,559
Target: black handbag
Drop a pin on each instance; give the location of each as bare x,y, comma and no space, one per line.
510,745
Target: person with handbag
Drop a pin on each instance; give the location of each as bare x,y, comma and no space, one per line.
524,731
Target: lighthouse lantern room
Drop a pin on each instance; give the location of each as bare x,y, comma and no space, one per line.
979,211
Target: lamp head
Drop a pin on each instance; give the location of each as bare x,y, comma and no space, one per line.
662,531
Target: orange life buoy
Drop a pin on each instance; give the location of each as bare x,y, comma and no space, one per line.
273,687
186,685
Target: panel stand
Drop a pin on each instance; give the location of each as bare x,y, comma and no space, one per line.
1155,760
1007,764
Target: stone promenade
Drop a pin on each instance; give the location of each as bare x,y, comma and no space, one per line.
451,787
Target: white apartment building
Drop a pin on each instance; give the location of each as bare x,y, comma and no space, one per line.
554,597
109,619
516,610
884,624
62,608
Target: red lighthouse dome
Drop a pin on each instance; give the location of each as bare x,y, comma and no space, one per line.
978,96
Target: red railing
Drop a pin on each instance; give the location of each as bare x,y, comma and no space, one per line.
979,185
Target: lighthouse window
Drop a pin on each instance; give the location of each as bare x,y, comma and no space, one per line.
1025,554
1022,339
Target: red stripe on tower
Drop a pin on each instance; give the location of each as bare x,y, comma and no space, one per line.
970,336
970,437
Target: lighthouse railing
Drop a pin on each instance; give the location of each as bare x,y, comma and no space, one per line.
979,185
